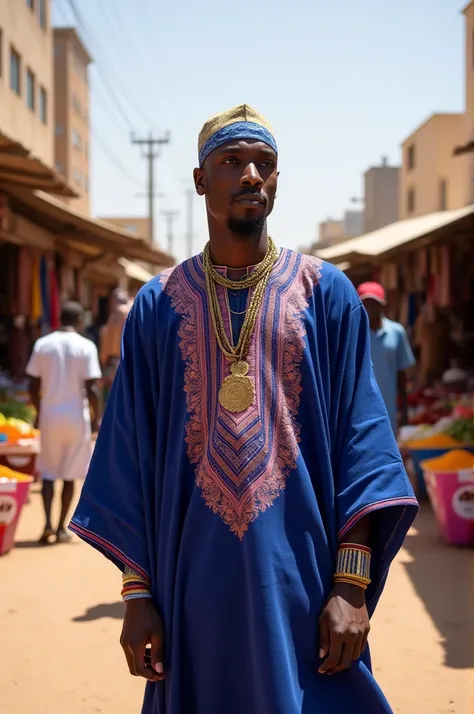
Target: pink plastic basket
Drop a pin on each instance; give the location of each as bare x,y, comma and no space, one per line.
452,498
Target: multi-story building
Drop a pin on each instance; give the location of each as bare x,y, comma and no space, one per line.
330,232
136,226
431,177
71,113
334,231
26,76
468,159
380,196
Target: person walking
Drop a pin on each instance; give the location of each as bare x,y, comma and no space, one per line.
391,353
246,479
110,338
64,369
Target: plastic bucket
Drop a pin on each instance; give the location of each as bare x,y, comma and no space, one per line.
418,456
452,498
13,496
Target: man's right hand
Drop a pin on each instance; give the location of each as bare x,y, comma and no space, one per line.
142,626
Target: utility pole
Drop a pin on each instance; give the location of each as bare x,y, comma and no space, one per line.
150,155
169,217
189,221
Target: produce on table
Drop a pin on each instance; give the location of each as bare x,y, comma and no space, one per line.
16,430
435,441
17,410
10,475
462,430
450,462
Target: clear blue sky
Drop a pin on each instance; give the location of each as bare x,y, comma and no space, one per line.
342,83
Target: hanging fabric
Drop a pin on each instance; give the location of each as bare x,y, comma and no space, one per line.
36,302
54,297
45,293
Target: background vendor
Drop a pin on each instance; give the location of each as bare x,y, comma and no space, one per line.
390,350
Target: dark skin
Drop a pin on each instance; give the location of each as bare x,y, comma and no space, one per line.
375,312
47,489
239,183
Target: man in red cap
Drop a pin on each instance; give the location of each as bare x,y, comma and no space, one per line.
390,350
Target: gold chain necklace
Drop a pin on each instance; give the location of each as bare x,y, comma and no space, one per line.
237,392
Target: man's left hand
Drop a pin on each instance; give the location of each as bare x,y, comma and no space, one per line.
343,628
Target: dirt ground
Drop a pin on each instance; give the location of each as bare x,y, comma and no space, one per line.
60,619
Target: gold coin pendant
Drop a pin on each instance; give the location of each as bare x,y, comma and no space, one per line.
237,392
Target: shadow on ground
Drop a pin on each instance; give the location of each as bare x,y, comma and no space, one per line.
441,575
114,610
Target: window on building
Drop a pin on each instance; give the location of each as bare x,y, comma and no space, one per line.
30,90
15,71
77,176
76,104
130,227
76,140
57,50
411,200
31,4
59,130
59,168
42,13
443,195
43,105
411,157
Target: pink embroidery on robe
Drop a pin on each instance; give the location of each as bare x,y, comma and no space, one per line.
243,460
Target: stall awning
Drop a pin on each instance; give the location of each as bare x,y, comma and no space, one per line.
135,271
72,227
19,167
390,238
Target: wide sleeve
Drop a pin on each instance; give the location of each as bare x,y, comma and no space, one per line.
370,477
113,513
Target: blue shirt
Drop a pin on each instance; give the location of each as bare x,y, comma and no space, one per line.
391,354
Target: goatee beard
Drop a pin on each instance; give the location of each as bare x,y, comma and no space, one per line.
246,227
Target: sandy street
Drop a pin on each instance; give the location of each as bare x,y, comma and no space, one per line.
60,619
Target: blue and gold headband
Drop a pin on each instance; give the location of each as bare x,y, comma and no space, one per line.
242,122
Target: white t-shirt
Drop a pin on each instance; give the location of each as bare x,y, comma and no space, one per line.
64,361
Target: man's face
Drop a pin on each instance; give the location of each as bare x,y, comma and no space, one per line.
374,310
239,181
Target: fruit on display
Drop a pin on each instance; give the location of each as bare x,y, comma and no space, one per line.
17,410
16,430
462,430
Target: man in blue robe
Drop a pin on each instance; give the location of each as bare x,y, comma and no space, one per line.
252,499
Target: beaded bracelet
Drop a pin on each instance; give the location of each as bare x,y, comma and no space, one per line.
134,586
353,565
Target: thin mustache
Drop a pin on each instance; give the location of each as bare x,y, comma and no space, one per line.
248,193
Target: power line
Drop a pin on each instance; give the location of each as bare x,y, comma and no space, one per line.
170,217
114,160
150,155
92,40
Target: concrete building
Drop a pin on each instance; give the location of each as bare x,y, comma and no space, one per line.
26,76
353,223
136,226
380,196
71,114
334,231
330,232
468,159
431,177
